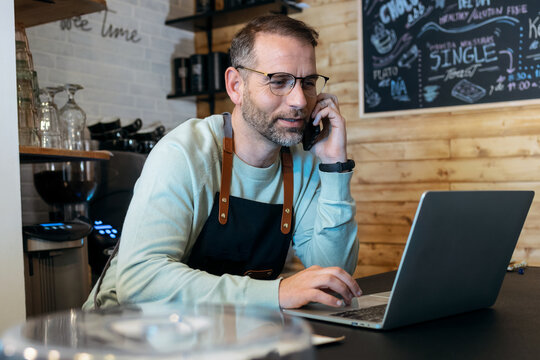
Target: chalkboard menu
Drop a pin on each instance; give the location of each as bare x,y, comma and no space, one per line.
430,54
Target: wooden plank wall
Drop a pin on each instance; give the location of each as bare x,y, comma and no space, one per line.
400,157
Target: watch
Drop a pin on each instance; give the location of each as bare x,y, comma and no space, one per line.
338,167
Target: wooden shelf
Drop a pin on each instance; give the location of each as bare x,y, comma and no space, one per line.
233,16
34,154
37,12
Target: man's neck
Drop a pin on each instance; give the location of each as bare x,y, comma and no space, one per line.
250,146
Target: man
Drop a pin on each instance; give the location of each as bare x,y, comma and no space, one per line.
221,199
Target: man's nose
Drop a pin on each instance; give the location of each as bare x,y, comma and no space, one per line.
296,97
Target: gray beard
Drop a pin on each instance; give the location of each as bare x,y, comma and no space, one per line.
267,126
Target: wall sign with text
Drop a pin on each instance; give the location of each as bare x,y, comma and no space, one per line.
431,54
107,30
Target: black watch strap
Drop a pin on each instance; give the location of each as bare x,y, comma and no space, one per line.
338,167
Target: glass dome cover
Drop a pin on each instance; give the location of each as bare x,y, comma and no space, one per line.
151,331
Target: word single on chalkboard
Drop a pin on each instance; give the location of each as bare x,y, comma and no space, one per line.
428,55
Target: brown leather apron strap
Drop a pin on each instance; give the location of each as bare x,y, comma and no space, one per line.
288,187
226,175
226,169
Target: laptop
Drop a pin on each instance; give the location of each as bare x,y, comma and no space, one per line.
454,261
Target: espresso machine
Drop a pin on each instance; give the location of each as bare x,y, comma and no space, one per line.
57,275
109,205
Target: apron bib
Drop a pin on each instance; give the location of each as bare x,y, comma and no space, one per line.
245,237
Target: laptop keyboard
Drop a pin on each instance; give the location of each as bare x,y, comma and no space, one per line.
373,313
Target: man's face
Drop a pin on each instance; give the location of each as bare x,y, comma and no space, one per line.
280,119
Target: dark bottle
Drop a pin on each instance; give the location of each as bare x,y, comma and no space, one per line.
198,65
181,76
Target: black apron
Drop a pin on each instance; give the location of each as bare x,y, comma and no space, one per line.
245,237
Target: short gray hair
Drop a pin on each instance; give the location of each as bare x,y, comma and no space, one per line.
243,42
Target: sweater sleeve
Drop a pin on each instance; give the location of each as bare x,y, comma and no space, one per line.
171,202
326,231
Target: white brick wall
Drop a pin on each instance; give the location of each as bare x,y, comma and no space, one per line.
120,78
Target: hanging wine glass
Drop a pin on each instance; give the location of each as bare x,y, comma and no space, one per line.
52,91
48,124
73,120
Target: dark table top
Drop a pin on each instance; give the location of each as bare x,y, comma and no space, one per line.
508,330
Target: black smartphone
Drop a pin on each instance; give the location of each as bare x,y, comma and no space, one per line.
311,133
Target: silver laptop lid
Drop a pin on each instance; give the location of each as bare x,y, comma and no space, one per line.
463,242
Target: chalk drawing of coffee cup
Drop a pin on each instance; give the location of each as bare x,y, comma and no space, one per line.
383,39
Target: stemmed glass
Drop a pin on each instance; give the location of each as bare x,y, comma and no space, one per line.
73,120
48,124
52,91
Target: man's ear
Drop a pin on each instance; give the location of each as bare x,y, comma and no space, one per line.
235,85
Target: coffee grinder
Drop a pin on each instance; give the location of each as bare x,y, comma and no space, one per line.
57,275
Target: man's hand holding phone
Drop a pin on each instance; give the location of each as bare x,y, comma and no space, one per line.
331,144
318,284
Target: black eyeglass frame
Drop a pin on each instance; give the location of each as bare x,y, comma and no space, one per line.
269,76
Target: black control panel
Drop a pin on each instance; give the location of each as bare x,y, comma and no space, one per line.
59,231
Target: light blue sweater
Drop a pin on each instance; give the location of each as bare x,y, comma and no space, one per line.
173,198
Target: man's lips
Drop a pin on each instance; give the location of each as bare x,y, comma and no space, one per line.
292,120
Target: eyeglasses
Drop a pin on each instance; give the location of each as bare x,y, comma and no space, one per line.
282,83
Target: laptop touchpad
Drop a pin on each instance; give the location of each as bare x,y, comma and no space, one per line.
369,300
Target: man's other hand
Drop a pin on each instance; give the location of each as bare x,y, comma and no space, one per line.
314,284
